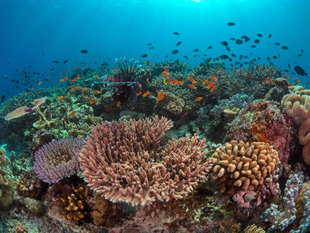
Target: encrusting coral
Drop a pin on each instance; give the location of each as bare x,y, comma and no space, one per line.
128,162
245,171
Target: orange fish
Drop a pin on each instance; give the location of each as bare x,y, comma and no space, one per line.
96,91
139,93
205,82
74,88
86,98
148,80
192,86
191,79
174,82
93,101
150,65
165,73
218,72
161,93
72,81
60,98
290,84
166,80
40,83
213,89
269,79
286,76
296,80
213,78
67,110
210,84
96,76
147,61
146,94
64,79
118,103
198,98
39,92
180,82
71,113
65,122
159,98
84,90
166,67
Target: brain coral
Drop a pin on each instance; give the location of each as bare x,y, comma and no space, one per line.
242,169
57,160
127,161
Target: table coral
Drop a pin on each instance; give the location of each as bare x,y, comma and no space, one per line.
246,172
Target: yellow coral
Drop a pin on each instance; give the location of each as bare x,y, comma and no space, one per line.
245,166
254,229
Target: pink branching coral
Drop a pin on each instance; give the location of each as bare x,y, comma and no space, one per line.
127,161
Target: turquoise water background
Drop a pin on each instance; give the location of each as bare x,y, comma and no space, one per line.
109,29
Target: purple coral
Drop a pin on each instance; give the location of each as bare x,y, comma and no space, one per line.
57,160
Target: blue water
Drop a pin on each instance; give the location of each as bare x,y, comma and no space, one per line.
110,29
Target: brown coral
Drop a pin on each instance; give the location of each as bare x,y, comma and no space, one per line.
73,205
240,167
254,229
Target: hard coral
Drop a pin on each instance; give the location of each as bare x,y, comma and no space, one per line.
246,171
126,162
57,160
28,185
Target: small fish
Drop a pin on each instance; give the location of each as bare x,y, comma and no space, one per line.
239,41
166,80
84,90
149,44
191,79
165,73
213,89
159,98
179,43
213,78
210,84
71,113
60,98
277,43
284,47
74,88
93,101
64,79
139,93
230,24
225,43
256,41
296,80
145,94
174,82
299,70
253,46
86,98
286,76
148,80
259,35
199,98
175,51
143,55
269,36
210,47
192,86
224,56
55,61
40,83
175,33
195,50
147,61
205,82
118,103
151,47
84,51
160,93
96,91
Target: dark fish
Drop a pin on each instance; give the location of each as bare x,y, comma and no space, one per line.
65,61
176,33
256,41
239,41
253,46
275,57
228,49
151,47
233,55
230,24
286,71
175,51
84,51
186,57
196,50
284,47
289,66
143,55
179,43
224,56
259,35
55,61
269,36
224,43
210,47
299,55
149,44
300,71
302,50
277,43
2,97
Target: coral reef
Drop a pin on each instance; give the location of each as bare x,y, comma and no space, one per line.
57,160
126,162
246,172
